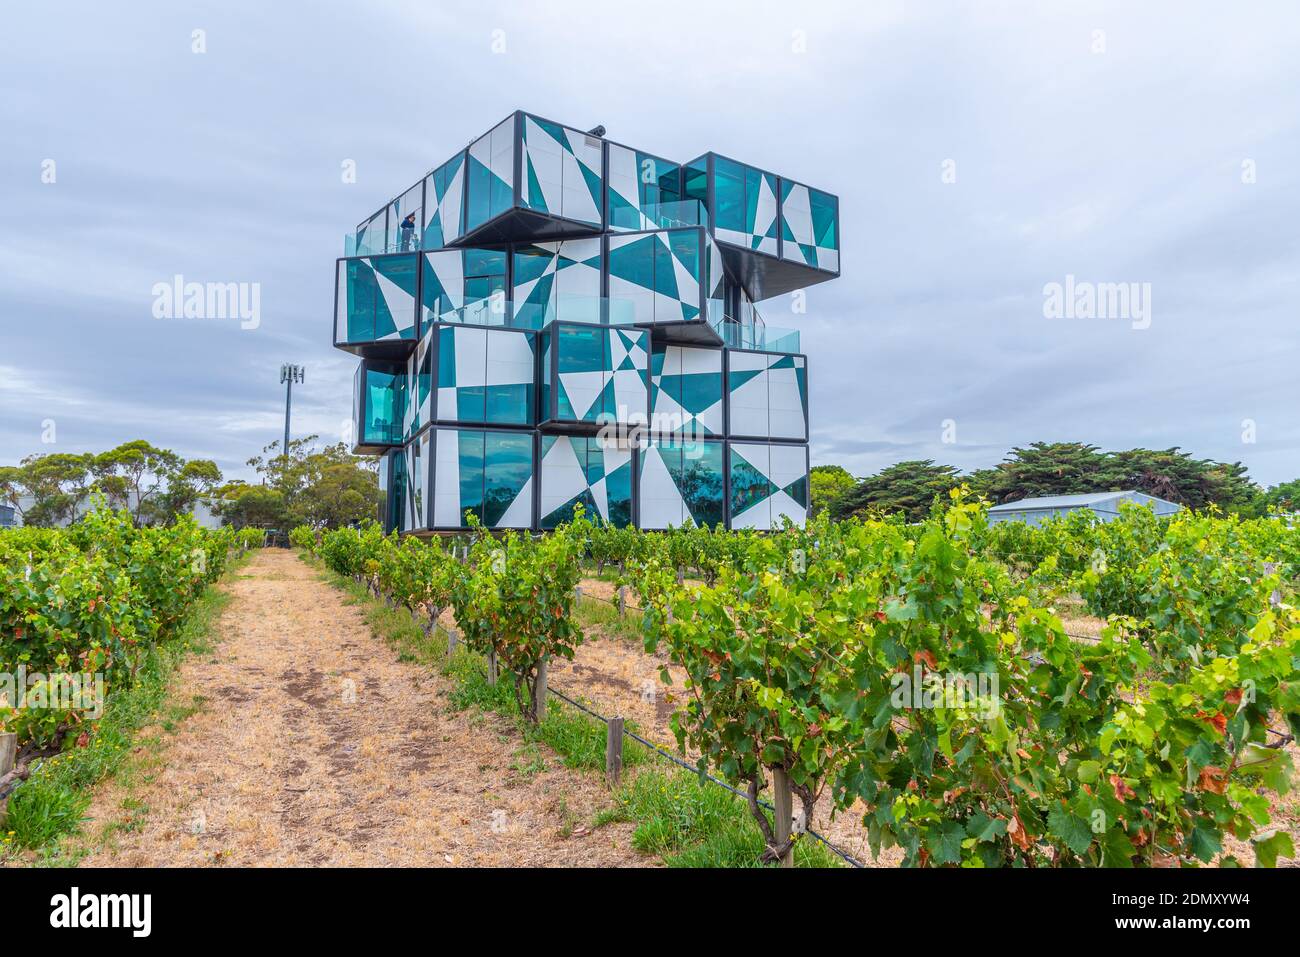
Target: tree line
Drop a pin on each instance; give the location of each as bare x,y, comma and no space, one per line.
1052,468
322,487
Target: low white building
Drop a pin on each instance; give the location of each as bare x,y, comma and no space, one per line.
1105,505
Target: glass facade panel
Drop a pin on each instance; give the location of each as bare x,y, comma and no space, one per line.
508,469
681,482
642,189
489,183
469,446
728,195
383,404
585,471
444,195
406,220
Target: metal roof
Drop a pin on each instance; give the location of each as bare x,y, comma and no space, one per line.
1088,500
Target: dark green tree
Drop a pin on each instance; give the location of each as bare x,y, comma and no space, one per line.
908,487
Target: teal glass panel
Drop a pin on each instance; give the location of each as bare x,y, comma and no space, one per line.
748,485
391,311
509,404
508,464
582,349
618,492
729,195
634,261
396,491
701,481
434,299
437,232
362,291
546,377
695,180
825,228
384,407
478,194
470,448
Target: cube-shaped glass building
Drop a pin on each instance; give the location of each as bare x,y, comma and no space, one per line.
550,318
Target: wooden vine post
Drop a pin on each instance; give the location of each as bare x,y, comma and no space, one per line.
8,755
540,691
613,750
782,813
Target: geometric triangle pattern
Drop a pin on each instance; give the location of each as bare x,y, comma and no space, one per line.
490,175
767,394
487,473
810,223
557,281
486,375
749,196
655,277
562,170
685,390
769,483
443,196
680,482
603,373
377,299
616,263
643,190
584,470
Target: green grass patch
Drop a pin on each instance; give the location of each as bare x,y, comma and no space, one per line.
694,824
592,613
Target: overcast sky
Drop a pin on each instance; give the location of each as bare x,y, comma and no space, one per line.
981,151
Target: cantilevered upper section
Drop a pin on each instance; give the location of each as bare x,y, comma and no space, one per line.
529,179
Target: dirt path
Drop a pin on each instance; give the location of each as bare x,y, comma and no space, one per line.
313,745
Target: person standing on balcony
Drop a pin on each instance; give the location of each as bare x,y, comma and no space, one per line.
408,232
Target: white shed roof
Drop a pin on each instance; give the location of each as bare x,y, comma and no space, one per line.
1101,501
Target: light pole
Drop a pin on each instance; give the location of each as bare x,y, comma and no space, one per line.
289,374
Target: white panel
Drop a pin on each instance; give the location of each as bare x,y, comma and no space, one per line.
420,490
562,475
785,406
509,359
661,503
471,357
341,308
503,150
547,158
446,480
749,401
520,512
759,514
630,302
624,177
399,302
789,463
583,389
450,207
577,286
797,211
